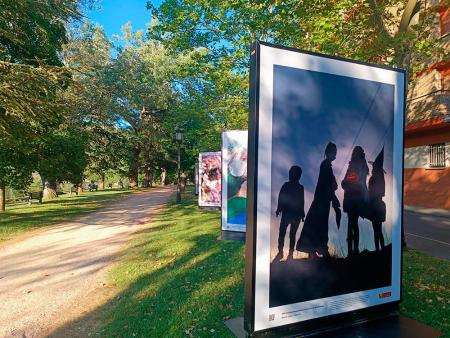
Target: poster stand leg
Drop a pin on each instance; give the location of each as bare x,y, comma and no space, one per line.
236,326
208,208
394,326
232,236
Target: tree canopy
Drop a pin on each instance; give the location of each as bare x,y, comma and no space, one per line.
74,103
32,34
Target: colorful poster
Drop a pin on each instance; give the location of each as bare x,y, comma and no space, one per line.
325,187
210,179
234,180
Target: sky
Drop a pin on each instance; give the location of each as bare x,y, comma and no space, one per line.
113,14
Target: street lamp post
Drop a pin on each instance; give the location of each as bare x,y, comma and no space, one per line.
178,138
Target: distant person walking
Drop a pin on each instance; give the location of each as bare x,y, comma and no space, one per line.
291,205
314,237
377,214
355,196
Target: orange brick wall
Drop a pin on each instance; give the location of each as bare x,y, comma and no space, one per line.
427,188
445,20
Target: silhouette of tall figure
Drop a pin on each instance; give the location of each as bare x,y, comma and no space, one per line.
355,196
314,236
377,191
291,205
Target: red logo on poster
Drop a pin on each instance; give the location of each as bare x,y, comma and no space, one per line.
384,295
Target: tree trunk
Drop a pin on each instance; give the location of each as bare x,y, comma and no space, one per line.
133,177
163,177
2,197
147,177
133,173
50,190
42,182
101,185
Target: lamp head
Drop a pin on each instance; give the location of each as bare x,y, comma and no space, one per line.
178,134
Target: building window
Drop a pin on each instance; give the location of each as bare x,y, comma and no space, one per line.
437,155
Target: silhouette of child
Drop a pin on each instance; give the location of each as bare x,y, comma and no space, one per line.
291,205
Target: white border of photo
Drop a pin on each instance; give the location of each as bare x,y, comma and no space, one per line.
266,317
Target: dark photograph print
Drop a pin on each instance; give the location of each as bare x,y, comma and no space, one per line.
332,178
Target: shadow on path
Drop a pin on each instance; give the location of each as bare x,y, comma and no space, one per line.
45,278
176,280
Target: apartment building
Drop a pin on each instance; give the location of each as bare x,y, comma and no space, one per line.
427,130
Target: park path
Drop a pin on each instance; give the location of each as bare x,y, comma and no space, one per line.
45,279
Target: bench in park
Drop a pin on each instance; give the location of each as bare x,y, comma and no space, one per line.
35,196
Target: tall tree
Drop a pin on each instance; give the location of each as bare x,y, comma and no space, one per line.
92,99
32,34
32,78
15,170
142,82
106,151
61,156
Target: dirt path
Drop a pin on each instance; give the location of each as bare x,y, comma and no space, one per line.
45,279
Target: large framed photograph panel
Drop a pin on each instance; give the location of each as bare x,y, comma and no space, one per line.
234,180
210,179
324,211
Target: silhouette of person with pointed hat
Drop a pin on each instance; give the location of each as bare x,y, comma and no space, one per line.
377,206
355,196
314,237
291,205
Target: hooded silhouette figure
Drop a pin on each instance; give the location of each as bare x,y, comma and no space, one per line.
355,196
291,204
314,236
377,214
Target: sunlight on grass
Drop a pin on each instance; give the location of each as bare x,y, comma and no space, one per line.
20,218
175,279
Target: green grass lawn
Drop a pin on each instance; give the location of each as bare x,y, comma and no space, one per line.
176,279
426,290
20,218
